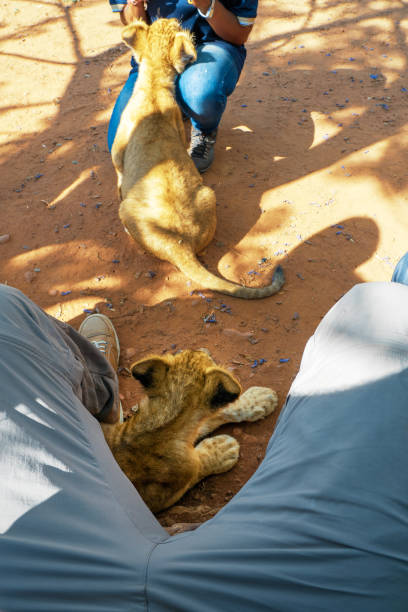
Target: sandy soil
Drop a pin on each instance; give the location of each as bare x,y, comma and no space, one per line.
310,172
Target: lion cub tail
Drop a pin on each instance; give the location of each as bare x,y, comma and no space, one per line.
192,268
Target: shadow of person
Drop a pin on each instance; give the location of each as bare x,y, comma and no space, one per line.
318,268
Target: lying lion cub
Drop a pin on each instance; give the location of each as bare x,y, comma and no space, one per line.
165,206
188,396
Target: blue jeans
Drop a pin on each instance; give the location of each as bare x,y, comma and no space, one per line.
201,90
400,274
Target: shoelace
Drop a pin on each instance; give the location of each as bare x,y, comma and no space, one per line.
200,144
101,345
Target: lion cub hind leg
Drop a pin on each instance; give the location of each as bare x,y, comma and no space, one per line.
216,455
256,403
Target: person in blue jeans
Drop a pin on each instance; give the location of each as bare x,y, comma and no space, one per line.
321,526
220,28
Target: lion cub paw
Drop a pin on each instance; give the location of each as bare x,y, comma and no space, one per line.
254,404
217,454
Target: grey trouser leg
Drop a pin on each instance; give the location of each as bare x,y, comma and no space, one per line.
323,523
92,378
321,526
74,534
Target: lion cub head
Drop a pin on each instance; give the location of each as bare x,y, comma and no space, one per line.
164,43
186,383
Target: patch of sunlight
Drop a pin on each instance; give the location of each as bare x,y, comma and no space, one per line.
82,177
351,113
326,127
104,116
60,148
101,281
278,157
52,252
77,306
31,414
45,405
16,128
377,151
394,76
243,128
250,250
28,488
174,285
18,261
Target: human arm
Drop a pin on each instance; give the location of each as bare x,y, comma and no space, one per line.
224,23
134,9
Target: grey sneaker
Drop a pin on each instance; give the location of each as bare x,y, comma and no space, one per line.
201,148
99,330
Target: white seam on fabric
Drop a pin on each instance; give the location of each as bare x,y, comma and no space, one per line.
246,21
145,587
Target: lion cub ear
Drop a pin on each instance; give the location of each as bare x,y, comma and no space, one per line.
183,51
135,36
150,372
221,387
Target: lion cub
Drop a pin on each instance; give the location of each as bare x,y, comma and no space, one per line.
165,206
188,396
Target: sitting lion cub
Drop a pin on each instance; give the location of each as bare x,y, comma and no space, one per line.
165,206
188,396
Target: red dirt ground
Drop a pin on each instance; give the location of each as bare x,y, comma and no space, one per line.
310,172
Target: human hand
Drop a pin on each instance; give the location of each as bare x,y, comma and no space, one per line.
133,9
202,5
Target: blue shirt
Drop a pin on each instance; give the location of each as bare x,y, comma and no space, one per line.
188,15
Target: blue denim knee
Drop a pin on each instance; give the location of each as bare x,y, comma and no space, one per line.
201,90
